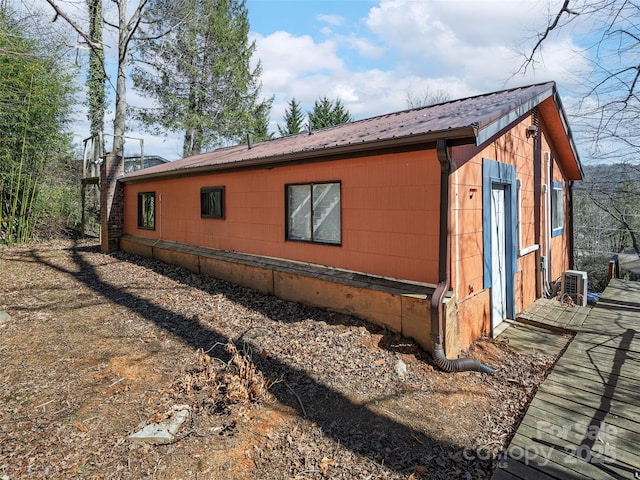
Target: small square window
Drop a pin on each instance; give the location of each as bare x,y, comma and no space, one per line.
147,210
212,202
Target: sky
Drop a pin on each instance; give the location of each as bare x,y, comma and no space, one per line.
373,54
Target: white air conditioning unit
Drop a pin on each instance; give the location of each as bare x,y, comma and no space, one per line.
574,285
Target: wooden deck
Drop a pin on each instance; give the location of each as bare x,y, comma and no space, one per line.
555,315
584,421
532,339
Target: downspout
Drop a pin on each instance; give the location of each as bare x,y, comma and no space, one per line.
548,189
437,299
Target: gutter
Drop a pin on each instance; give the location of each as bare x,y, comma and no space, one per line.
444,255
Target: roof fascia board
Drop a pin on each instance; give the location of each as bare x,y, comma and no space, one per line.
567,129
485,133
460,136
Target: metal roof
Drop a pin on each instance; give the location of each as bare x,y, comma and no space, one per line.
469,120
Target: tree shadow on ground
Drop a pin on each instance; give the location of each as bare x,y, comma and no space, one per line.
356,427
389,340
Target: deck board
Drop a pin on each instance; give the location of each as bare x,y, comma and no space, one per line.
590,403
528,339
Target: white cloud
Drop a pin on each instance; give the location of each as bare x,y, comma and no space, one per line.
462,47
286,58
474,41
439,46
335,20
362,46
429,25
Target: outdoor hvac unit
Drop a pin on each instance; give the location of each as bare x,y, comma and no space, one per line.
574,285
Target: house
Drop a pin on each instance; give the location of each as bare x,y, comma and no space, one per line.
437,222
138,162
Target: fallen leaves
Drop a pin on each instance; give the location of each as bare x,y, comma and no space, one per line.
116,341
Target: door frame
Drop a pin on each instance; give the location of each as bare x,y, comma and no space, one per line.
504,175
498,254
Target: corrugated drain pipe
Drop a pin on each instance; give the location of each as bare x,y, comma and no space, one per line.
437,299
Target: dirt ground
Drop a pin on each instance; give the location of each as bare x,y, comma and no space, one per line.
98,346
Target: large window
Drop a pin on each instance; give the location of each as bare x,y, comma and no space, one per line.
557,210
313,212
147,210
212,202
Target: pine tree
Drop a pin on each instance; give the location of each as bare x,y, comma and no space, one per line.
326,113
340,114
261,121
200,74
293,118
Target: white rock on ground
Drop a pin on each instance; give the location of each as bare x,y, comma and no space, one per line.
166,431
401,368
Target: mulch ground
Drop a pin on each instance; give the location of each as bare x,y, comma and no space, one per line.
97,346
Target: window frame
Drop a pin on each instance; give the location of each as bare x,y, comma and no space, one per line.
522,250
207,190
519,215
557,190
311,185
141,224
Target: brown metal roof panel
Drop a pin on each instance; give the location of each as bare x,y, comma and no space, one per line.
464,117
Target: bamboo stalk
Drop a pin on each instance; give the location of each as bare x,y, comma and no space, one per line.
14,233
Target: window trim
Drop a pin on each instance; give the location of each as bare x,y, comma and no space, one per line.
287,213
220,189
557,187
522,251
519,214
141,196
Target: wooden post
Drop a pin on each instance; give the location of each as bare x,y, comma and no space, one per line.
614,268
83,194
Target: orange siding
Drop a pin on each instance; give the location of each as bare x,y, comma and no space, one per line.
390,213
390,218
474,317
467,260
512,148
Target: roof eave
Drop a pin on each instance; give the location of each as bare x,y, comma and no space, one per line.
494,127
463,135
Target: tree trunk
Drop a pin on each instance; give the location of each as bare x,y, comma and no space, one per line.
119,122
96,78
634,242
187,144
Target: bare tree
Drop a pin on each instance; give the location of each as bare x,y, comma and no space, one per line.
426,98
606,215
610,105
126,31
127,28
